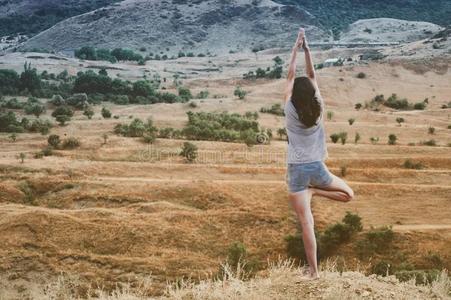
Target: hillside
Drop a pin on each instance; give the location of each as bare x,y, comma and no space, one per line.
201,26
32,16
388,30
340,13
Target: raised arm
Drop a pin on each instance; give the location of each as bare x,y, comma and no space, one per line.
292,65
310,69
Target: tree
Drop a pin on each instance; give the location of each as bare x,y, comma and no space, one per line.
9,82
29,79
189,151
392,139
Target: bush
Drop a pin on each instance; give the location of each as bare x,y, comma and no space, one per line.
89,112
202,95
106,113
419,106
400,120
394,102
392,139
41,126
189,151
185,94
429,143
54,141
330,115
343,137
351,121
409,164
70,143
381,268
57,100
361,75
358,106
334,137
63,110
374,140
431,130
356,138
275,109
79,100
62,119
376,241
240,93
420,276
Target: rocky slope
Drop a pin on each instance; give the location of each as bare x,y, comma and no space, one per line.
199,26
388,30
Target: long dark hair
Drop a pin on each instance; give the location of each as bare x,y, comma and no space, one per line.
304,100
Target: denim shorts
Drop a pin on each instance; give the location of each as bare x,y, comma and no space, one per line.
301,176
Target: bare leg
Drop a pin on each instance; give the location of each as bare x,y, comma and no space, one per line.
338,190
301,204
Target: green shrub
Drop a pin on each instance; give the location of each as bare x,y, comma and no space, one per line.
63,110
70,143
358,106
351,121
394,102
334,137
420,276
275,109
57,100
189,151
392,139
408,164
79,100
203,95
62,119
240,93
419,106
382,268
431,130
89,112
361,75
374,140
356,138
400,120
185,93
376,241
106,113
54,141
429,143
41,126
330,115
343,137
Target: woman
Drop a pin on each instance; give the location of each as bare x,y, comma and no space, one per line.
307,175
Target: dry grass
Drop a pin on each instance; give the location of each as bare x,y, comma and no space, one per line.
280,280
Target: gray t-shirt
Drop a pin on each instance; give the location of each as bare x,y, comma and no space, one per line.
305,145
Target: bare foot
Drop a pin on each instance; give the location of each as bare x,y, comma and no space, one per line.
307,277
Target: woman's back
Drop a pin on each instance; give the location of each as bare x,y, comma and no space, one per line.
305,144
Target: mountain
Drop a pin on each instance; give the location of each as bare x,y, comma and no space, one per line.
199,26
338,14
33,16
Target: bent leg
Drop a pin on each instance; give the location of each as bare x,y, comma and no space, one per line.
301,204
338,190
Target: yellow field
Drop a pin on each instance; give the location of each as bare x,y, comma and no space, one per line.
116,213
